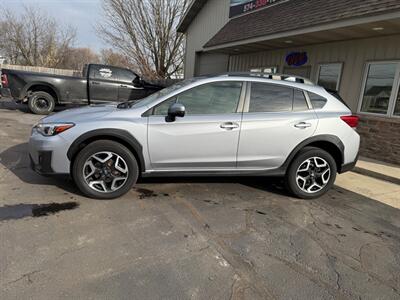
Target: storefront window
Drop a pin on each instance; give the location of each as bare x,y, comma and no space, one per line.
397,105
378,88
329,76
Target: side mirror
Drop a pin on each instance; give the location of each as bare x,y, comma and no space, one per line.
137,82
175,110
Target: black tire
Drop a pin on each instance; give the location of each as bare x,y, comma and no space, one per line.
107,146
291,173
41,103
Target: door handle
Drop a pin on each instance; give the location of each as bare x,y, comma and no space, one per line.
229,125
302,125
95,82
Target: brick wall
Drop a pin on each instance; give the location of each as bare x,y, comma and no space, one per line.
380,138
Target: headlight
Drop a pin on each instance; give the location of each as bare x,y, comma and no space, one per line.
50,129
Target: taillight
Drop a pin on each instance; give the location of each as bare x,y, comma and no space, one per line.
4,80
352,121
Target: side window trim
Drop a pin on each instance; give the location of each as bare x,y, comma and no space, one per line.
239,107
308,99
305,94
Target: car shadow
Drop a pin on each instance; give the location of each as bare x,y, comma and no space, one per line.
267,184
9,104
16,160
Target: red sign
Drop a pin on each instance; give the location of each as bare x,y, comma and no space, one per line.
239,7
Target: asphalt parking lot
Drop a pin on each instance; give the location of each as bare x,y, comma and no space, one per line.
210,238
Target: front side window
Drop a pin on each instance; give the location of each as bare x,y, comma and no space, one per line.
212,98
125,75
329,76
378,87
270,98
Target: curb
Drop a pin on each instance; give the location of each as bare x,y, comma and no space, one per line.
376,175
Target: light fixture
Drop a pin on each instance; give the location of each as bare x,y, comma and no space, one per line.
236,49
378,28
289,42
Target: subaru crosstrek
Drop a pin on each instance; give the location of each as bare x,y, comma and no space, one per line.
232,124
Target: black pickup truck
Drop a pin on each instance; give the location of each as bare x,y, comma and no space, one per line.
98,84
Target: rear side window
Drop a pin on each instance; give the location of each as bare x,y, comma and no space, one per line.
270,98
103,72
299,101
317,101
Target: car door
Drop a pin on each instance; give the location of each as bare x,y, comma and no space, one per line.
103,84
127,90
207,137
276,119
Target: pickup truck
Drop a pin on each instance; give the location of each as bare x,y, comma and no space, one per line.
98,84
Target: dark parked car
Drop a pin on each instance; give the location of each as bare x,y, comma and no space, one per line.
98,84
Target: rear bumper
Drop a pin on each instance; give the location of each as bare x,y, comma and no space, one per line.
348,167
5,92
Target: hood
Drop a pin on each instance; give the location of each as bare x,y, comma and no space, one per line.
91,112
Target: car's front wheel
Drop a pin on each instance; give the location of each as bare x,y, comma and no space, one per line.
105,170
311,174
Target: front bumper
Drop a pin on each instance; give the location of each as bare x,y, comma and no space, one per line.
48,155
43,164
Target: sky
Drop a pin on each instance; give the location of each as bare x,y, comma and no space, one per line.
81,14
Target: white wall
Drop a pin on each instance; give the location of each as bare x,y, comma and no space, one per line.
213,16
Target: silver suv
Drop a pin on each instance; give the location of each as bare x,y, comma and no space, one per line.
232,124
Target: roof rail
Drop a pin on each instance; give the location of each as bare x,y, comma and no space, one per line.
272,76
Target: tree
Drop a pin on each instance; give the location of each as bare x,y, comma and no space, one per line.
34,39
76,58
145,31
112,58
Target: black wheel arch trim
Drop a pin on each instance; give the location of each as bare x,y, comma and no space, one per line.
27,88
111,133
314,139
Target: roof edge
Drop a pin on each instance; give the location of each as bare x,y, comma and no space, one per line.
319,27
191,12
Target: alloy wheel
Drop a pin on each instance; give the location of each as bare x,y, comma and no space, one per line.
105,172
313,175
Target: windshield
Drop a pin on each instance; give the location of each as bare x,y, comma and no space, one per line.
153,97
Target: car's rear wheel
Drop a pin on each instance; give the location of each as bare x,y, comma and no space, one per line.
105,170
41,103
311,174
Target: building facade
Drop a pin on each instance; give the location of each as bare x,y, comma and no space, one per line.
352,46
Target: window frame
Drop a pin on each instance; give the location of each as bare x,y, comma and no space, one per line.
393,95
339,80
246,107
239,108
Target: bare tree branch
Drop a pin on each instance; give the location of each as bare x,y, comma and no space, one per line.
145,31
34,38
